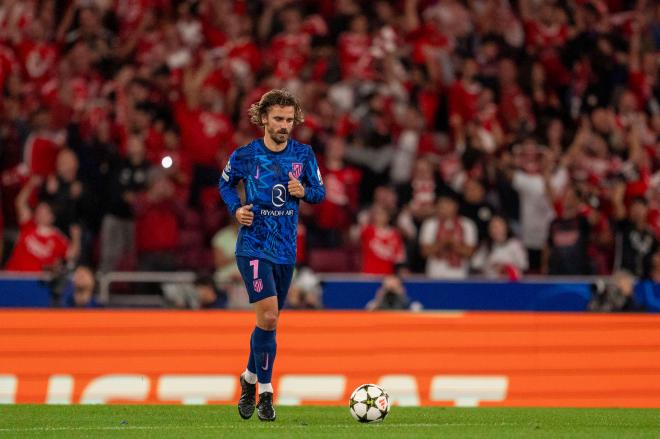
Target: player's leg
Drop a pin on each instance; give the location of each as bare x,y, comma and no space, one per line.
283,275
264,341
264,347
248,381
258,278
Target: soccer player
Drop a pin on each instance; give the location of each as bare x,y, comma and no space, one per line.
277,172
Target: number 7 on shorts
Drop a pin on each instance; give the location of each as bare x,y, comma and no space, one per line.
254,263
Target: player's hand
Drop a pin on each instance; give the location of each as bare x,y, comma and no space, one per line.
296,188
244,215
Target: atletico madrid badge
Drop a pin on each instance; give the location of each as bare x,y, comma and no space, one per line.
297,169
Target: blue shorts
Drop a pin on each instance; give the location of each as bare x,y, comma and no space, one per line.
265,279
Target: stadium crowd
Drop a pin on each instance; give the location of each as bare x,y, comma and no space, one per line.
455,137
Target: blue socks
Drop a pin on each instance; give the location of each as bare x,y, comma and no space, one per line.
262,355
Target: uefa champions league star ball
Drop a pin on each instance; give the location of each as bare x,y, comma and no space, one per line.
369,403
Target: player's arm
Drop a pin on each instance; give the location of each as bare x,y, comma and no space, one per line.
314,189
229,179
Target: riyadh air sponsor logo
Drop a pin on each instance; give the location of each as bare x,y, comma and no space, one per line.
279,194
271,212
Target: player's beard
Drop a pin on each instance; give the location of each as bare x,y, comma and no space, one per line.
278,137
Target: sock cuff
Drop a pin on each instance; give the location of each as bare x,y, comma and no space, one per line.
250,376
264,387
258,330
263,336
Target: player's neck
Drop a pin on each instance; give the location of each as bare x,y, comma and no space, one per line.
274,146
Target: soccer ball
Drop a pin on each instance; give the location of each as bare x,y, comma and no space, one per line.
369,403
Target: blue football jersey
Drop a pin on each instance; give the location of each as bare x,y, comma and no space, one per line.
265,174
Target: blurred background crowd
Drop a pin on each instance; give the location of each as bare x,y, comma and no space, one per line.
455,137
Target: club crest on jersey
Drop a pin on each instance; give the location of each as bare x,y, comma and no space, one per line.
297,169
258,285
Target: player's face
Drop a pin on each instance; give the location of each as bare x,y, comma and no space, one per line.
279,123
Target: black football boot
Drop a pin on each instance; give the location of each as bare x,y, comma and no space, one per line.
247,400
265,409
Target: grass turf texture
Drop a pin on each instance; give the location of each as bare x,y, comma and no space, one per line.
175,421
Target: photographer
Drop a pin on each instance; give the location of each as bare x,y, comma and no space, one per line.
614,295
80,291
306,291
203,293
392,296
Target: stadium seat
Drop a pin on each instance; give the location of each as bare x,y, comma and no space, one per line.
324,260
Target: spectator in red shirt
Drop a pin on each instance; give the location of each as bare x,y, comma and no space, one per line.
654,206
382,245
289,49
354,50
336,213
643,69
206,132
546,32
157,215
40,246
463,96
38,56
130,13
43,143
514,106
243,55
8,64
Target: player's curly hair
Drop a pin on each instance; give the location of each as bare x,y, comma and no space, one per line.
280,97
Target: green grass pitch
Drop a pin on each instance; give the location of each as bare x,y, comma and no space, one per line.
221,421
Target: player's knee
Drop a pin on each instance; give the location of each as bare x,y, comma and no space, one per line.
269,320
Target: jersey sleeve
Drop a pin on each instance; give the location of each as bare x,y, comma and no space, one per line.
230,177
314,189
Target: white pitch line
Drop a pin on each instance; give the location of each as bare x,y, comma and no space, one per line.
206,427
279,426
243,426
